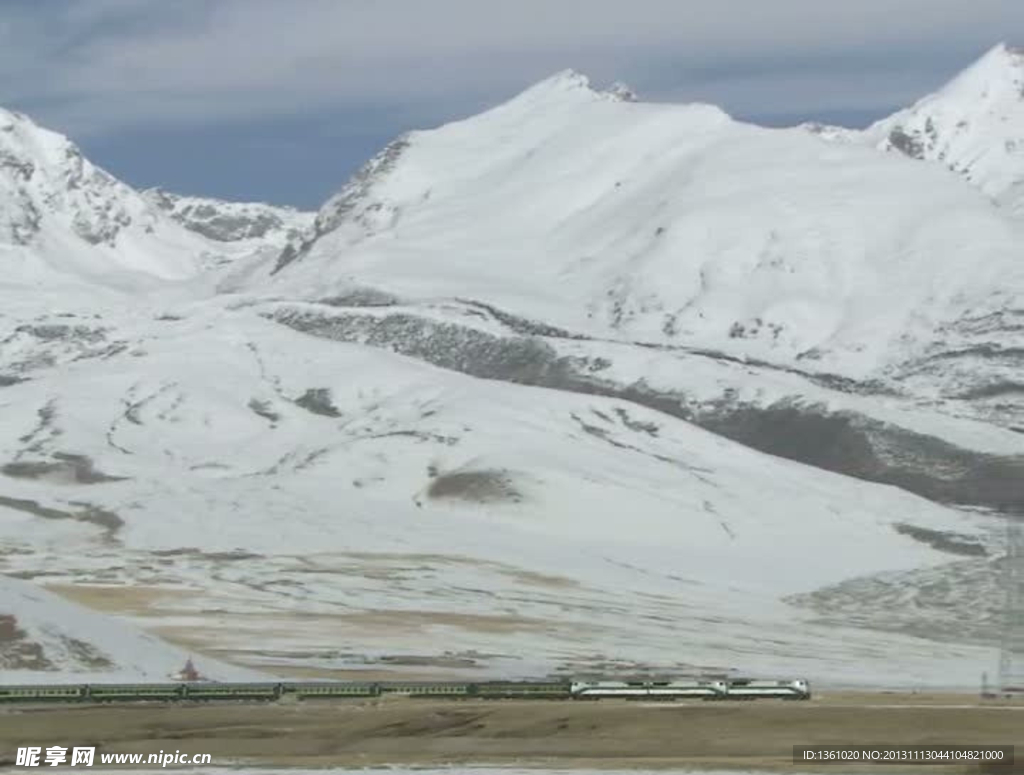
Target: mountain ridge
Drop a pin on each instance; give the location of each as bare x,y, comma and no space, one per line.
67,220
225,221
973,125
714,173
533,392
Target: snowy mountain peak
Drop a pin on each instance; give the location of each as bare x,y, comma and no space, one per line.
974,125
637,222
996,77
9,118
63,217
42,173
621,92
567,80
1000,59
565,88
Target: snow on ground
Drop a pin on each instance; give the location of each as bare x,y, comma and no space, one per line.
45,639
704,380
296,502
696,376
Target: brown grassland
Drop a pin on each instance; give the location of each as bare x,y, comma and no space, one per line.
343,733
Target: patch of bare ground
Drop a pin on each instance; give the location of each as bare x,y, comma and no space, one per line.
121,599
237,555
425,672
418,620
205,631
444,661
870,698
17,652
110,522
531,578
743,736
387,564
416,557
65,468
213,626
378,624
86,655
485,486
151,603
535,579
208,645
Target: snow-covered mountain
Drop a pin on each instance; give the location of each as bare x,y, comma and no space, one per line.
63,220
676,226
560,386
974,125
254,223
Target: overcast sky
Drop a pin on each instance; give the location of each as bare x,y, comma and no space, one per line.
279,100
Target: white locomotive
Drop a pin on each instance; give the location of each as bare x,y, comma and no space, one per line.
746,689
734,689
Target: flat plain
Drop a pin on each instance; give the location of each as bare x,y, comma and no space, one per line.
755,735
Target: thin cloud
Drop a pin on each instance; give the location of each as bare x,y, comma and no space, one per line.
103,65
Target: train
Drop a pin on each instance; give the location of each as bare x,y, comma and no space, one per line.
206,691
722,689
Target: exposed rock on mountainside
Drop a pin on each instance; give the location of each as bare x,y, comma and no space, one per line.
233,221
974,125
62,218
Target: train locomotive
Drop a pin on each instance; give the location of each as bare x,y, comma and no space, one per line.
735,689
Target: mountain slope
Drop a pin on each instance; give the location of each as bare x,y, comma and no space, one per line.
65,220
675,226
248,472
974,125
